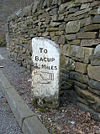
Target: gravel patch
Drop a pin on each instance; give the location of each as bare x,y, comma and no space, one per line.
68,119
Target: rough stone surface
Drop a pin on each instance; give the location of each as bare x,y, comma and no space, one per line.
97,50
83,1
94,84
74,42
80,85
94,91
96,19
45,76
79,77
92,27
82,12
75,52
91,98
70,36
88,52
83,6
95,3
94,72
85,22
81,67
86,94
86,35
72,27
95,60
79,53
90,42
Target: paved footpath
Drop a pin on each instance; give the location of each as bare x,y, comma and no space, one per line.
8,124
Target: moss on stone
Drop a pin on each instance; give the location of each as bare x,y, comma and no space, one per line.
2,42
45,104
62,61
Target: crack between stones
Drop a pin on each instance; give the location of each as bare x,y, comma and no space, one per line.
24,118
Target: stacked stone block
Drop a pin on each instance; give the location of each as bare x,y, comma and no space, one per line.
75,27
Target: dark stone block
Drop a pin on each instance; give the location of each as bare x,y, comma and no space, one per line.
94,84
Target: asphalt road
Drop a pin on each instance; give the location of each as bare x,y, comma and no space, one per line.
8,124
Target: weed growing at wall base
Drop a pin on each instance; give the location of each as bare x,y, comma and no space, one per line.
2,42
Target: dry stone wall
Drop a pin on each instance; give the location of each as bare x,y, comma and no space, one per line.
7,7
75,27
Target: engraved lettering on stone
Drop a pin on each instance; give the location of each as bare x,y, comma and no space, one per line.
45,75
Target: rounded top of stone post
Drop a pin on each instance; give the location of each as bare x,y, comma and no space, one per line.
45,40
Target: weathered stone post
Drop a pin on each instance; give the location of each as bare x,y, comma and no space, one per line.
45,75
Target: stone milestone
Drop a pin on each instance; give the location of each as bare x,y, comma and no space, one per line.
45,74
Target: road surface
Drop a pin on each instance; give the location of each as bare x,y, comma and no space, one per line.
8,124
